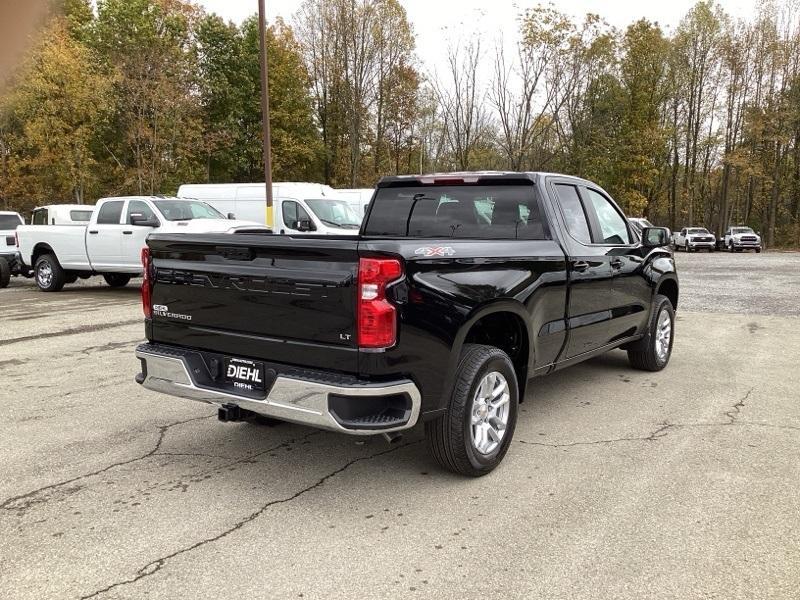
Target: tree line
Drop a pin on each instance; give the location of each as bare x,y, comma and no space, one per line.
695,126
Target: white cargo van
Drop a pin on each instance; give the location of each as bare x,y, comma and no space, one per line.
358,199
299,207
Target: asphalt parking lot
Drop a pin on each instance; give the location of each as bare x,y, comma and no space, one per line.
619,484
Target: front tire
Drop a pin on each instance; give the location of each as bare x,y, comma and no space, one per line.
5,273
50,277
117,280
653,351
474,435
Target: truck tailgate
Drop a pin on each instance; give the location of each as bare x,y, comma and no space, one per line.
269,297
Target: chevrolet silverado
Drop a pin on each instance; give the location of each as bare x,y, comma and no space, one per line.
458,291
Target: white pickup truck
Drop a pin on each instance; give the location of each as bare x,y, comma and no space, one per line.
110,245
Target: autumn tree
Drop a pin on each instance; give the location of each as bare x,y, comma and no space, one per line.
51,122
155,138
230,91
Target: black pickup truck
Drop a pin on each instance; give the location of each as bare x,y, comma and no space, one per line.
459,289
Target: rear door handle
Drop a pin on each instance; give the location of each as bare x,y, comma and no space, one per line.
93,231
580,265
617,263
127,232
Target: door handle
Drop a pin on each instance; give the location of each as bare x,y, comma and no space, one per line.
580,265
617,263
127,232
93,231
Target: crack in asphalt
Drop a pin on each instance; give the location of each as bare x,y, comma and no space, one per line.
652,437
30,497
73,331
733,413
155,566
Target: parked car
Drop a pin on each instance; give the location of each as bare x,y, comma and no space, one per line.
298,207
458,290
111,243
62,214
9,255
740,238
694,238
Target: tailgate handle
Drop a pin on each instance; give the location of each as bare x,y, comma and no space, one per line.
234,253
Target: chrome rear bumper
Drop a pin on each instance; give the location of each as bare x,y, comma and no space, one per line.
289,399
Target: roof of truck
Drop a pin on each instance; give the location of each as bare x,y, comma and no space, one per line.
471,177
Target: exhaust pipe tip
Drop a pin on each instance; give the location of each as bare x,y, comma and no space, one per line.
392,438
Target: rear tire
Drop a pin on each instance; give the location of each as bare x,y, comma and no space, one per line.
653,351
474,435
5,273
50,277
117,280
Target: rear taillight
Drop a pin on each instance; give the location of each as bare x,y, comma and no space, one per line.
377,317
147,283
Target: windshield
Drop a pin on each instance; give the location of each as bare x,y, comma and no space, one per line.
186,210
9,222
697,230
336,213
742,230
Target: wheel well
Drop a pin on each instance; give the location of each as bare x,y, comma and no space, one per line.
504,330
669,288
39,250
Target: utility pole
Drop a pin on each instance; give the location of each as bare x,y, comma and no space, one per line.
266,141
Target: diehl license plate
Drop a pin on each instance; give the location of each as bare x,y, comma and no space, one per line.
245,374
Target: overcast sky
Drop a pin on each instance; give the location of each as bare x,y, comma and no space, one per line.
437,22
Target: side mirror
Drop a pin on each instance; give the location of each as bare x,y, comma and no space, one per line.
305,225
142,221
231,216
655,237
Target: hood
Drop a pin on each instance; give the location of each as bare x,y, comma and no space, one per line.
211,225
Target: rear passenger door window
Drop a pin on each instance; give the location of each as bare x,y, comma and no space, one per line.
574,215
110,213
613,227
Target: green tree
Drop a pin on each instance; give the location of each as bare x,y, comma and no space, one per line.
155,138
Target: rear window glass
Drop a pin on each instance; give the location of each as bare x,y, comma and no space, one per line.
110,213
477,211
80,215
9,222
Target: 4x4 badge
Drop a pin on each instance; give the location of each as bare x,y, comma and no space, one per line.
428,251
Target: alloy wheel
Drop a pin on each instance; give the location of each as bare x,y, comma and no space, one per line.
490,412
663,338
